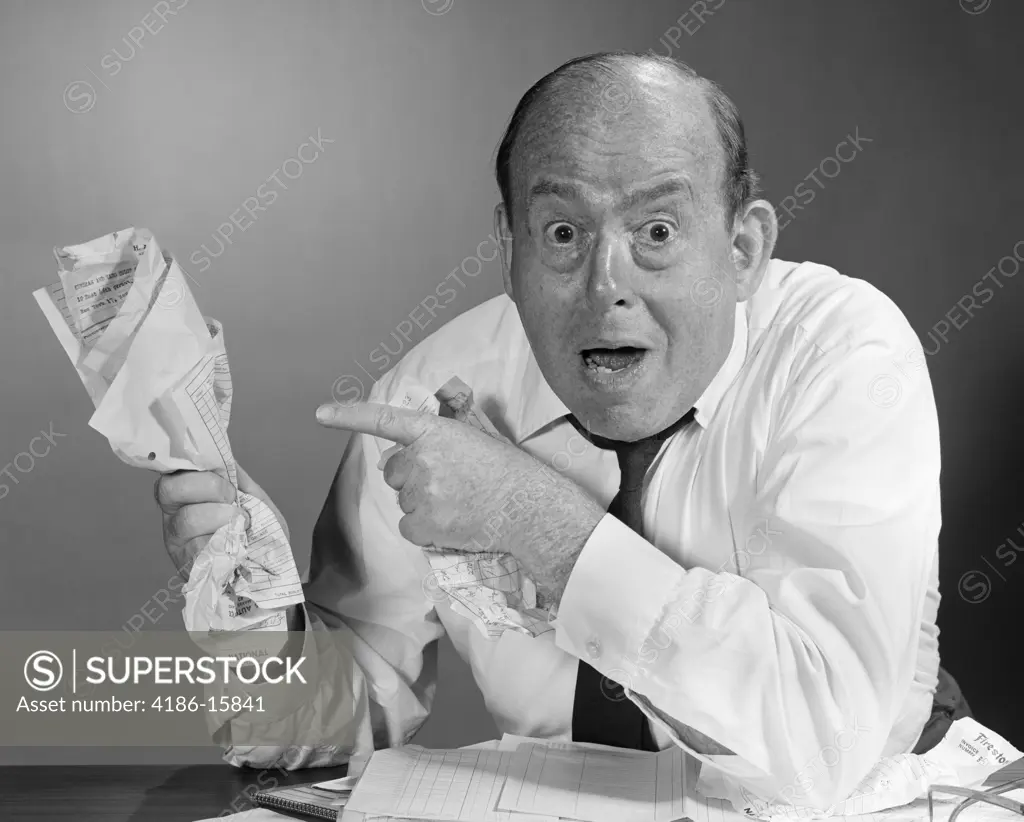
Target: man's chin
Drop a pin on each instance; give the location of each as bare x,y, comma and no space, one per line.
626,405
623,429
628,421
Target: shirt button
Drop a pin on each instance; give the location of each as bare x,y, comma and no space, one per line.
594,647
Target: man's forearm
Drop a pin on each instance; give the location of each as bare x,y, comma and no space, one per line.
552,535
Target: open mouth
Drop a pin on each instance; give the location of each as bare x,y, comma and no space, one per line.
612,360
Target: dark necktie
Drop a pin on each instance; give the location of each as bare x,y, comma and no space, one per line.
601,711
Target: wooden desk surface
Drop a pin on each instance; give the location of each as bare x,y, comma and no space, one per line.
160,793
137,793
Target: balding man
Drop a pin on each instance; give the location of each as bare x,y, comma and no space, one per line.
740,551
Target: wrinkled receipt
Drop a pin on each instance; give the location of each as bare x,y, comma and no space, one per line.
967,755
157,373
487,587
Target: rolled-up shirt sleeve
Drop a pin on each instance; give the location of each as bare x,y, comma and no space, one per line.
318,721
808,640
371,633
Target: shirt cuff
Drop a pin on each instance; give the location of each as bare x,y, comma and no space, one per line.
275,701
615,595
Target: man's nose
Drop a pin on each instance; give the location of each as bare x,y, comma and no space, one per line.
609,279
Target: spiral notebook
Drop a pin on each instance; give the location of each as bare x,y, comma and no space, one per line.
305,800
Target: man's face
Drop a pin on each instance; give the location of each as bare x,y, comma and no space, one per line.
621,249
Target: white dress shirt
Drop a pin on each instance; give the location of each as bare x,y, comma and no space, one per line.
783,603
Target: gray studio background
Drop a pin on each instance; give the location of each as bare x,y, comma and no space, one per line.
414,97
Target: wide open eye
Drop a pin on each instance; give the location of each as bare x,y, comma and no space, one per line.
657,232
560,233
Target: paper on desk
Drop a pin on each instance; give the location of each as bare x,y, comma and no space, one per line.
355,816
157,373
579,780
415,782
966,757
917,811
254,815
349,815
343,785
610,785
488,588
511,742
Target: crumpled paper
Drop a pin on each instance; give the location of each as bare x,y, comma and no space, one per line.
967,755
487,587
157,373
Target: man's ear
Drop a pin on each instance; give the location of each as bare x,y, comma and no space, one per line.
754,235
503,235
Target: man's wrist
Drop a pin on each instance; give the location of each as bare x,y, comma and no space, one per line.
553,538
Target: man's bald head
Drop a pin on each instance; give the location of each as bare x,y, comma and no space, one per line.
626,193
605,87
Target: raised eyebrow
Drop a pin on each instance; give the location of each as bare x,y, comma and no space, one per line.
646,195
554,188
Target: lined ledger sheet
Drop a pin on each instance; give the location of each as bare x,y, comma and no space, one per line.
269,578
460,785
596,785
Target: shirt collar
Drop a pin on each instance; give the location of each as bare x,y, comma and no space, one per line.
538,405
712,396
535,404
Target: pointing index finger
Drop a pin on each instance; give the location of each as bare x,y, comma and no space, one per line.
388,422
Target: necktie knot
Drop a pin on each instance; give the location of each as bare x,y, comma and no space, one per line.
635,458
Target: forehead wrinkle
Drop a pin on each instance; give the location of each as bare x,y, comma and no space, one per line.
623,182
678,184
668,120
571,191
